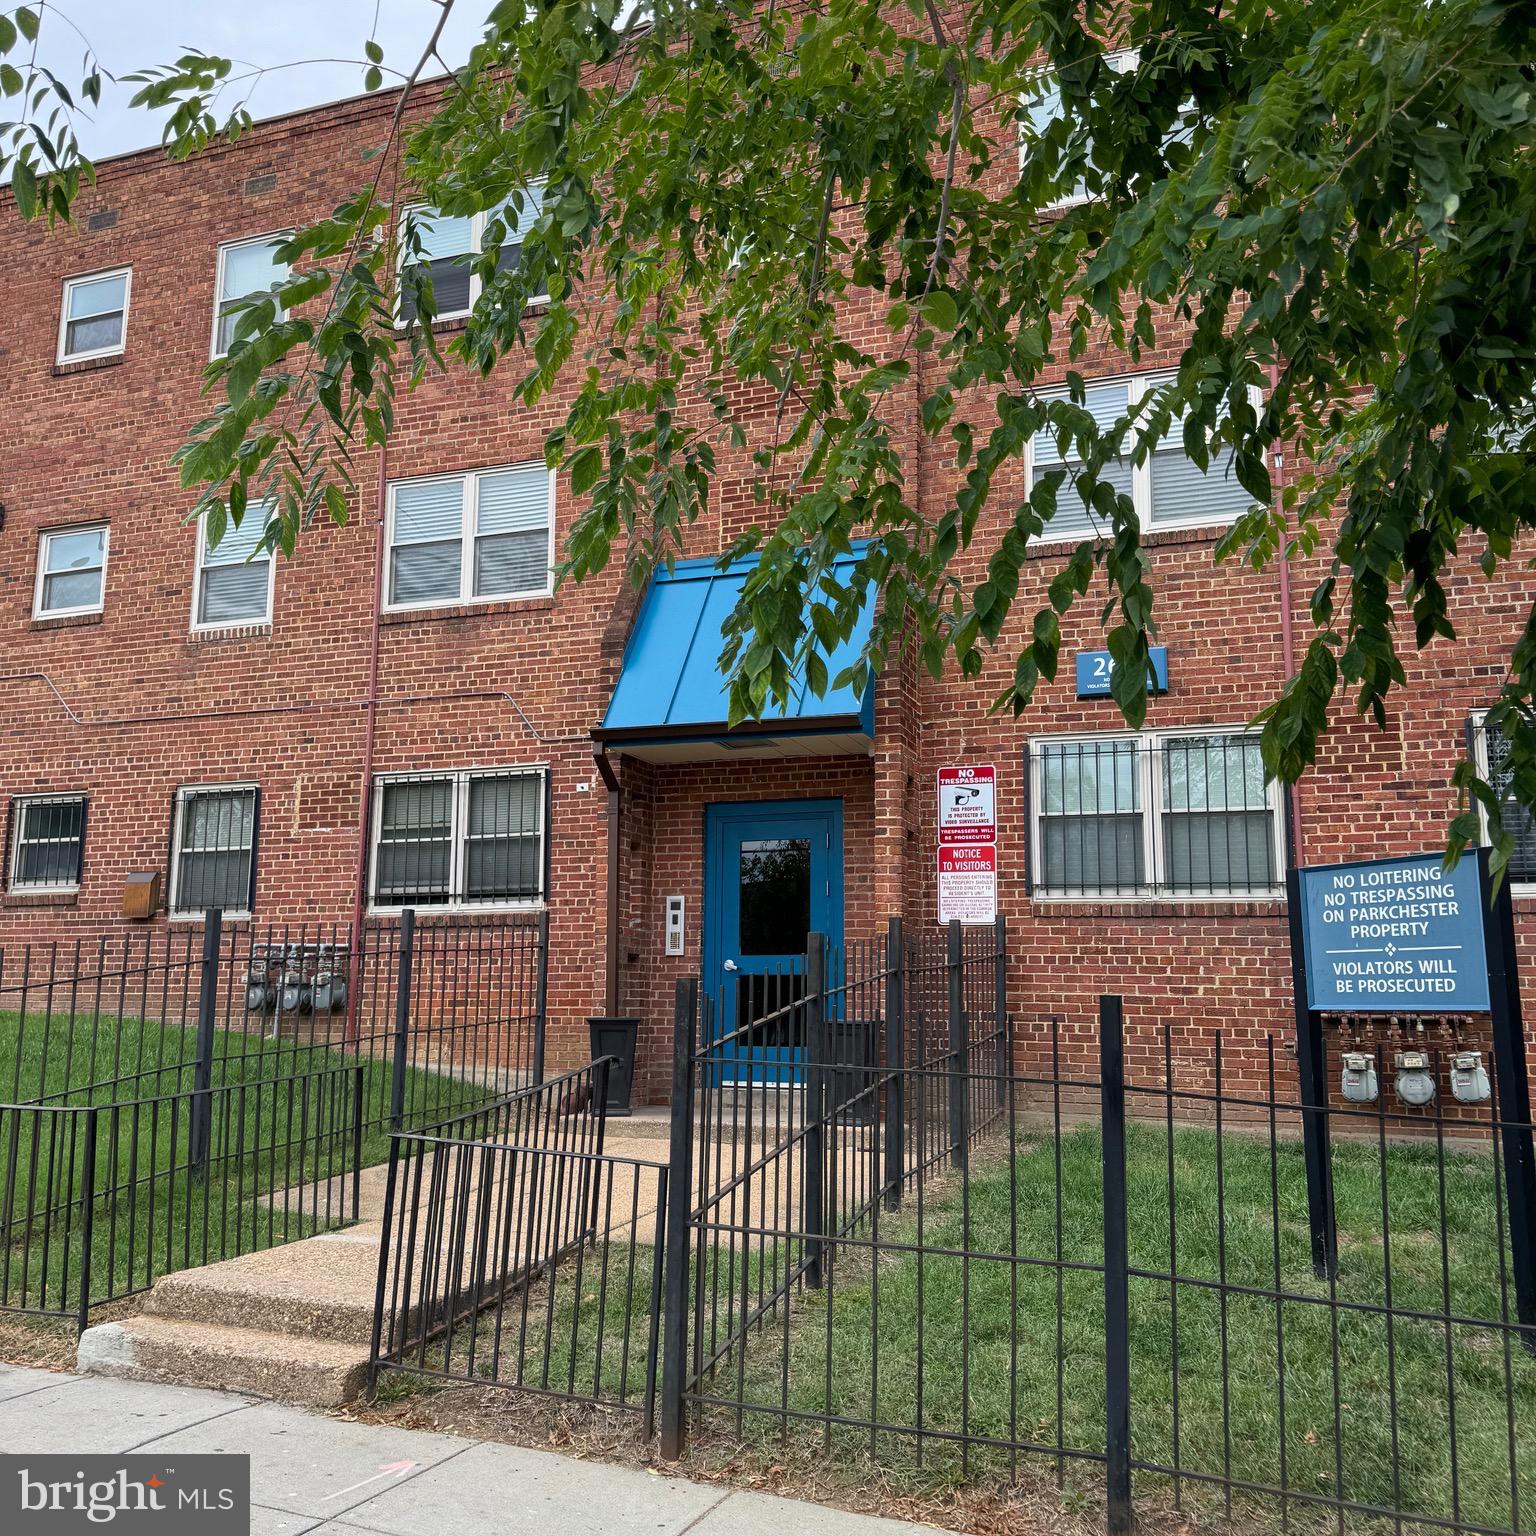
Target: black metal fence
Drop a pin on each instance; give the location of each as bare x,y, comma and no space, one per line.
174,1098
1101,1284
518,1253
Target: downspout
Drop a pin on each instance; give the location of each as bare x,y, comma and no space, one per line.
612,991
1287,636
370,726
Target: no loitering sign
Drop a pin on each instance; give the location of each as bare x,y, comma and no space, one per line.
1394,936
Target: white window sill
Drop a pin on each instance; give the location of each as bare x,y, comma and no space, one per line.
1148,898
480,909
197,917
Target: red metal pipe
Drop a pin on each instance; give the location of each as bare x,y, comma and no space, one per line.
370,724
1287,635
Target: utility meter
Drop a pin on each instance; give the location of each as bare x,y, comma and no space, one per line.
1469,1077
1414,1084
1358,1083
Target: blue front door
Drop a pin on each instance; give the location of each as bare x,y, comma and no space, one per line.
773,874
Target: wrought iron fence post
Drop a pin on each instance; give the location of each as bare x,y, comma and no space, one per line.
405,960
1000,1007
386,1228
813,1184
1312,1074
958,1047
1117,1300
1514,1101
678,1220
895,1063
87,1220
200,1121
541,998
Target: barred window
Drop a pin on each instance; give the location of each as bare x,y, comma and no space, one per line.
1154,814
48,843
1168,489
1491,755
471,538
465,839
213,849
443,247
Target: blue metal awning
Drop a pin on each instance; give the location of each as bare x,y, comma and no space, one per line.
671,701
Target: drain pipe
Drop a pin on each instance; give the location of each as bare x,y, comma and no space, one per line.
370,729
1287,634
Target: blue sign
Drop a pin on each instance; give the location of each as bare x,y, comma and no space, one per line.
1095,668
1394,936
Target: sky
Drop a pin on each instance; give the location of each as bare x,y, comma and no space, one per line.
128,35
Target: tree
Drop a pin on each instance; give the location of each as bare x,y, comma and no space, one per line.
1333,202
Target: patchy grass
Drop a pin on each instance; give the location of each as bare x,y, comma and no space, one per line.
961,1319
281,1115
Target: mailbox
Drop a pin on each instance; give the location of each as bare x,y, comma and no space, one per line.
141,894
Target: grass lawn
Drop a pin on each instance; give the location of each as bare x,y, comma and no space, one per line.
282,1115
991,1349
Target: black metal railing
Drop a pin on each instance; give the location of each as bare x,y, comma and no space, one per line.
174,1098
517,1252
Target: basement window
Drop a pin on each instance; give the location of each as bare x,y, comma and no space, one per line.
213,849
48,844
459,840
94,318
1490,754
1158,814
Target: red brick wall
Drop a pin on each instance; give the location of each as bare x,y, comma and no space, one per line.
158,707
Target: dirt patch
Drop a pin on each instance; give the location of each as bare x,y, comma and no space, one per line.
42,1344
1033,1507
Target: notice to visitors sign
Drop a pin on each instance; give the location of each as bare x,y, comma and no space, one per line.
968,884
1394,936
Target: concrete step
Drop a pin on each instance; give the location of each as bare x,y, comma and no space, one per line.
318,1373
321,1288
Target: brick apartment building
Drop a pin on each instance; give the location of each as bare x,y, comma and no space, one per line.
174,710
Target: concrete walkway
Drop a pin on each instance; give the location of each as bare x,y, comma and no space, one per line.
315,1476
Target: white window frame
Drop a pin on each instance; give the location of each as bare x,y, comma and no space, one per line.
126,273
1121,61
44,537
1149,770
226,625
458,838
21,887
185,792
1479,720
274,236
468,509
477,225
1138,386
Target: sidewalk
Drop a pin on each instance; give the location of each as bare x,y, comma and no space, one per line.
314,1476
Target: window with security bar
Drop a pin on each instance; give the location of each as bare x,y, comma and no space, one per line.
1491,755
48,843
213,849
459,840
1155,814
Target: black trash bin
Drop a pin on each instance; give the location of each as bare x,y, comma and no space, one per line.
616,1038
